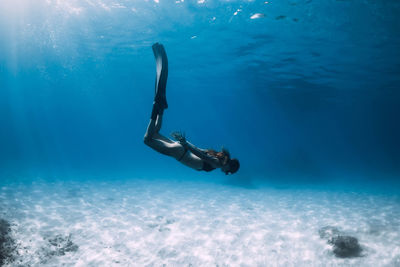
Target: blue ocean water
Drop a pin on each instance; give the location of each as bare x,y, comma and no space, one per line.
309,88
304,93
306,89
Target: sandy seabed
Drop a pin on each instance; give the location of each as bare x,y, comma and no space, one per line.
183,223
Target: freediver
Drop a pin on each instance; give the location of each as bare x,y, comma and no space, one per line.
182,150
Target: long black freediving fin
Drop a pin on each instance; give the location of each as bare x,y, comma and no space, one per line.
160,98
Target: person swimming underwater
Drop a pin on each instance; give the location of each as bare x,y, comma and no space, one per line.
182,150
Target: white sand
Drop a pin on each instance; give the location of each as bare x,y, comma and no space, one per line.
152,223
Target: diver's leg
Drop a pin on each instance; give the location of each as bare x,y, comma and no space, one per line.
152,137
173,149
158,123
160,98
151,130
157,134
160,143
155,125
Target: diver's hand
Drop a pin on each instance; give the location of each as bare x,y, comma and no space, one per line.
179,136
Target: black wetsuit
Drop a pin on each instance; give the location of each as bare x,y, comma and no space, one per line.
207,167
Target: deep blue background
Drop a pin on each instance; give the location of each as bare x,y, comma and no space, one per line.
309,92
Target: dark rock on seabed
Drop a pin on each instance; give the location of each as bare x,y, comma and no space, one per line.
7,244
344,246
59,245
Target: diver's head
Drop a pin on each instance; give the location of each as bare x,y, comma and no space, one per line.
231,166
